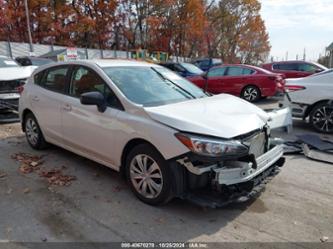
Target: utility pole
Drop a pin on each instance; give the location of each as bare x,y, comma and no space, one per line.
286,55
28,25
304,55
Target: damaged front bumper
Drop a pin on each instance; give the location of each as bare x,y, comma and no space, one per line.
238,172
232,181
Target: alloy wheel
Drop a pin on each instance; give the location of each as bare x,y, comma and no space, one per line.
250,94
31,130
322,118
146,176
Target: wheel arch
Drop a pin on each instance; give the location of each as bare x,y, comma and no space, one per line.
128,147
310,107
24,114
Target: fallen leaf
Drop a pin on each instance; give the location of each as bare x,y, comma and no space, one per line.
26,190
324,239
3,174
160,220
56,177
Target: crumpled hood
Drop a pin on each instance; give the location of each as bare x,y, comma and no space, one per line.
14,73
221,115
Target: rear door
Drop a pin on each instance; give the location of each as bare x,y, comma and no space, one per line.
215,81
47,98
85,129
234,80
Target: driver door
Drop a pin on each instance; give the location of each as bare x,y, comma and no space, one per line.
85,129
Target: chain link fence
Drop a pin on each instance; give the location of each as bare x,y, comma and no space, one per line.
16,49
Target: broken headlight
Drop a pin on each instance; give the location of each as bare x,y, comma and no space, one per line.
212,147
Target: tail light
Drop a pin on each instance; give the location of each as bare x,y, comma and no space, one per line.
20,89
21,84
294,88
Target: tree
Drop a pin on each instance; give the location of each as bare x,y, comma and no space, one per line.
238,32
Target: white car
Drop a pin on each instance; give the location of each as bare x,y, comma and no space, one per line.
12,76
312,97
166,135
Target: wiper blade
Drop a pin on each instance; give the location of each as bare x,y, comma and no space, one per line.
166,79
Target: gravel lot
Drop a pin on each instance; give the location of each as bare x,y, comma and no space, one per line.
297,205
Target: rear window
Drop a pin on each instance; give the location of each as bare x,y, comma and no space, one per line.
286,67
55,79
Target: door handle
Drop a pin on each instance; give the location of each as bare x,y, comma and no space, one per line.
67,107
35,98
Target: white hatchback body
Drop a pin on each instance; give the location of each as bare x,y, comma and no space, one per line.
107,136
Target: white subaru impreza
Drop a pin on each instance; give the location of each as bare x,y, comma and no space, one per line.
168,137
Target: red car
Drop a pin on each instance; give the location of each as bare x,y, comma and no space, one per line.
249,82
294,69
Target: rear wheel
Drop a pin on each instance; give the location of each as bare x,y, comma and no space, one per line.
321,117
149,175
33,132
251,93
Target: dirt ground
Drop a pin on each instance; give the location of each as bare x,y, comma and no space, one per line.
55,195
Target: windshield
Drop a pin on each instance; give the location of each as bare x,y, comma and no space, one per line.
7,62
191,68
152,86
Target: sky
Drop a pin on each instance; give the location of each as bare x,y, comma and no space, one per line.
295,25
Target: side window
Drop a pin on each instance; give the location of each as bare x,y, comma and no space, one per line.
38,78
55,79
247,71
215,72
86,80
288,67
305,67
235,71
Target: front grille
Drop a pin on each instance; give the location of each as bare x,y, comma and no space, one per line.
9,103
257,144
9,86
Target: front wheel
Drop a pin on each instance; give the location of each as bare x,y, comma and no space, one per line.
149,175
251,93
321,117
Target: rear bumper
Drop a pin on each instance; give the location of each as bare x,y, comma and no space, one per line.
298,110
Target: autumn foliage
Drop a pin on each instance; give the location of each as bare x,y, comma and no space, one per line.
230,29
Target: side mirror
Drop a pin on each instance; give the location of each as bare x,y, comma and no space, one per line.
94,98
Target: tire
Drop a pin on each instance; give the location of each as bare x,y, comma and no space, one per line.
251,93
33,133
321,117
158,189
